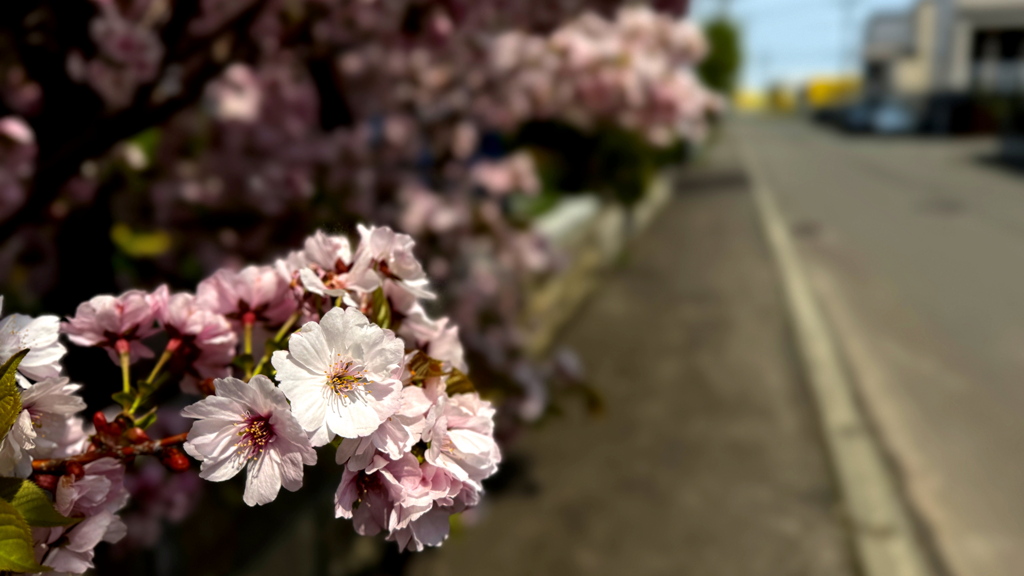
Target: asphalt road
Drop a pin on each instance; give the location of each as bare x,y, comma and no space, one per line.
916,250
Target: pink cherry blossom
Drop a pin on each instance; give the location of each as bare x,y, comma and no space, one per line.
103,321
460,430
389,257
439,339
410,500
249,425
259,291
101,489
394,437
325,266
97,496
74,555
203,342
236,95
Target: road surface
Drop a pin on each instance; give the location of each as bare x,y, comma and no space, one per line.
916,250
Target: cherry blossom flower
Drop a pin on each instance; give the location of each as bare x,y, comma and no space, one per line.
389,256
460,431
15,457
203,342
105,321
259,293
370,517
236,95
249,425
429,529
439,339
326,266
51,404
409,499
96,496
44,425
395,436
37,335
341,375
100,489
75,554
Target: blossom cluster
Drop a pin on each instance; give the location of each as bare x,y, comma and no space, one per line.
367,374
127,52
634,71
46,427
412,453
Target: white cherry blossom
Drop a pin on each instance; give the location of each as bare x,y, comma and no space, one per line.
37,335
342,375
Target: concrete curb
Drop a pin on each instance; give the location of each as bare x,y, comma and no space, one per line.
881,528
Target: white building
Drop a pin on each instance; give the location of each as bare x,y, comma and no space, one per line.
943,55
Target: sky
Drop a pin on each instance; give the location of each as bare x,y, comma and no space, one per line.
790,40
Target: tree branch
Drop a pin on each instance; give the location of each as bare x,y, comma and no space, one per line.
152,447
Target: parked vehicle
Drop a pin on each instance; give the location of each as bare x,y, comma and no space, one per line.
892,117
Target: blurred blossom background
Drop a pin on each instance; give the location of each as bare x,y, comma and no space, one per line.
586,184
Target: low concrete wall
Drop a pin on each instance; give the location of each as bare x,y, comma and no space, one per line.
591,235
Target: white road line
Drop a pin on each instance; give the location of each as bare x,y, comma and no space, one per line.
883,534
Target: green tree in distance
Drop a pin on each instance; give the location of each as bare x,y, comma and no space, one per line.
721,68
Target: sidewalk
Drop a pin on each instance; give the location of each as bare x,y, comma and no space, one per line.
709,459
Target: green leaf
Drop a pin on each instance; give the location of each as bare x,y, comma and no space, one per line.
381,309
10,395
16,553
32,503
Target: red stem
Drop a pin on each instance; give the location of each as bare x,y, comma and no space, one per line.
119,452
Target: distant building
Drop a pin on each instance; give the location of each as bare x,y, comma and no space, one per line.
950,60
888,46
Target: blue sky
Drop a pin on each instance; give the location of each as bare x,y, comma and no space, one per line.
789,40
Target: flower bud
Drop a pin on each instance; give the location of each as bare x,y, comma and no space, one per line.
99,420
74,469
206,387
137,435
47,482
175,459
121,424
